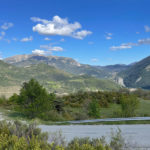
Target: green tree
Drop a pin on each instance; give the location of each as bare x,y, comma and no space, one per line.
94,109
129,105
34,99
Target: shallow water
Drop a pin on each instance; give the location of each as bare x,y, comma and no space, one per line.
138,135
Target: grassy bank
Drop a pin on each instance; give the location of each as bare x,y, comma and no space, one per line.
143,110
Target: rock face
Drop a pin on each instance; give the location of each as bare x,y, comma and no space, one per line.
120,81
137,75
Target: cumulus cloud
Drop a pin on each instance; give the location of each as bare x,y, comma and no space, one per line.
7,25
81,34
51,48
46,50
38,52
27,39
147,28
59,26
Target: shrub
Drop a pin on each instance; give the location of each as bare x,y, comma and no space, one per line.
18,136
87,144
52,115
129,105
3,101
94,109
117,141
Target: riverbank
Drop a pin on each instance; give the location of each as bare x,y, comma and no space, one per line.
9,115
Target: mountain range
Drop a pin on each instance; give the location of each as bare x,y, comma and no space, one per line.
54,73
63,74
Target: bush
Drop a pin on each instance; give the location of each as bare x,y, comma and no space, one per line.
22,130
87,144
117,141
3,101
129,105
18,136
52,115
94,109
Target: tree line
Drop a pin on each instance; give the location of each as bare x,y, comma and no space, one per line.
34,101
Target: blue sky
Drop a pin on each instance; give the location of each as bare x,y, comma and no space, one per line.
97,32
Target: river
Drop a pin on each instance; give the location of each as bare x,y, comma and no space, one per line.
135,135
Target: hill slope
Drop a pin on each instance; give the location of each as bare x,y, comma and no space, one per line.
137,75
50,77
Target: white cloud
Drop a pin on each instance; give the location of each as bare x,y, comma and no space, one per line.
94,60
36,19
137,32
27,39
130,45
39,52
81,34
115,48
108,36
144,41
47,39
59,26
147,28
51,48
7,25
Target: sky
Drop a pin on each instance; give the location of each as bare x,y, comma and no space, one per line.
96,32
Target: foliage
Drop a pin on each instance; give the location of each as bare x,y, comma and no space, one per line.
94,109
144,94
117,141
34,99
27,139
129,105
3,101
22,130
